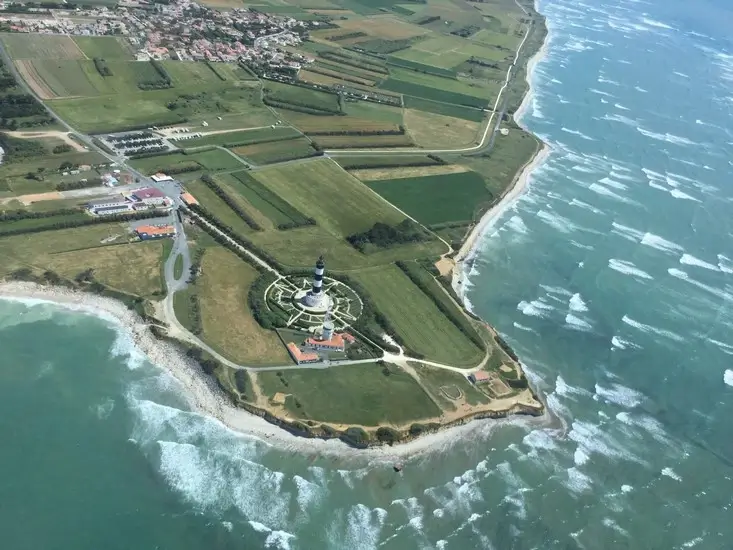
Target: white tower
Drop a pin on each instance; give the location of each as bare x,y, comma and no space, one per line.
316,297
327,332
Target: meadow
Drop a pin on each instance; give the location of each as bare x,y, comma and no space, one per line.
242,137
357,394
106,47
416,319
228,325
447,109
436,199
287,94
433,130
443,384
40,46
188,162
340,203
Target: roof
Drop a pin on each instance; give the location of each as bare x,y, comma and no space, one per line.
149,193
481,376
107,202
188,198
301,356
155,229
160,176
336,341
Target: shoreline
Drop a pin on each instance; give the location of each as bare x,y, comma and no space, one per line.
205,397
519,184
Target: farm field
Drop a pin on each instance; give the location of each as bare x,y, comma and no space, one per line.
355,394
270,205
437,199
435,336
353,162
437,88
179,163
40,46
449,51
340,203
363,142
106,47
228,325
432,130
288,94
447,109
355,121
218,208
276,151
393,173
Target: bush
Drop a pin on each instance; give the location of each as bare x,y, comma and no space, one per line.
388,435
383,235
356,436
417,429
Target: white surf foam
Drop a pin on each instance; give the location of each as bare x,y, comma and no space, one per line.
728,377
669,472
725,264
658,24
640,89
576,323
667,137
677,194
585,206
628,268
628,233
556,221
577,304
660,243
621,395
620,343
626,488
577,481
578,133
612,183
688,259
649,329
606,192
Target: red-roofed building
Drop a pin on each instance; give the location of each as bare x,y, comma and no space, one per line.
146,232
337,342
300,356
149,195
479,377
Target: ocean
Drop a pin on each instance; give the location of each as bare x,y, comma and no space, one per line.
612,278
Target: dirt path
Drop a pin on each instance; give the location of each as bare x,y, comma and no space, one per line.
64,136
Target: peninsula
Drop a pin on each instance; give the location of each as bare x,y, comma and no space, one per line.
287,192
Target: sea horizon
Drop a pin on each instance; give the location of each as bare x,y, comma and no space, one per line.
611,276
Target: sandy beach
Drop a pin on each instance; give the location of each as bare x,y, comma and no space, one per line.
205,397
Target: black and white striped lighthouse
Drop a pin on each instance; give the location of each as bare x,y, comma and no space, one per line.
316,296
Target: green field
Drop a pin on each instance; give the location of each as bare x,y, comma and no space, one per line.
243,137
298,95
356,394
449,51
417,319
340,203
437,199
276,151
40,46
106,47
217,207
438,88
212,159
447,109
444,384
363,142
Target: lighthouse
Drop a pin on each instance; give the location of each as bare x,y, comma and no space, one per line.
316,297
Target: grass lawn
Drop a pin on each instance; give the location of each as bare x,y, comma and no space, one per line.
354,394
178,267
417,319
340,203
228,325
133,268
106,47
437,199
444,384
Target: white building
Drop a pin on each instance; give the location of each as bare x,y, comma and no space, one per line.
109,205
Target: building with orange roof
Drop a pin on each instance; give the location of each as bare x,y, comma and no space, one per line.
300,356
188,198
479,377
337,342
147,232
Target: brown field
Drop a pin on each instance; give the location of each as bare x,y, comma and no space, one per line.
358,142
314,123
63,136
364,73
387,27
228,324
376,174
433,130
29,73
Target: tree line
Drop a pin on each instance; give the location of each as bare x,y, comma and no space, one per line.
102,68
68,224
238,210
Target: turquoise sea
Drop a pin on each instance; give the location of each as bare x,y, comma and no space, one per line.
612,278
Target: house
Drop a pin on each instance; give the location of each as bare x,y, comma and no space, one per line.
479,377
160,176
147,232
301,357
109,205
150,196
336,343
